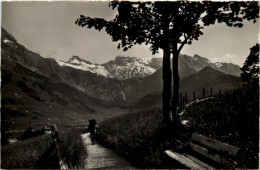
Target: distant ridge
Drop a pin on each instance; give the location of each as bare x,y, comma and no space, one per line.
123,67
206,78
120,68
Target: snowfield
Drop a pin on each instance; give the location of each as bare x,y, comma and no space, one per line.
120,68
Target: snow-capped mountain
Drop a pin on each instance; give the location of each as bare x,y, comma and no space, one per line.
129,67
132,67
91,79
197,63
120,68
78,63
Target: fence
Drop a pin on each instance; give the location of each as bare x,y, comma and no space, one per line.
185,97
56,142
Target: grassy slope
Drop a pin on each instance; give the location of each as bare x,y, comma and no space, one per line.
231,118
39,152
29,99
141,138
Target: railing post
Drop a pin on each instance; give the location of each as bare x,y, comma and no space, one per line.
194,96
56,141
219,92
182,104
186,97
181,99
203,93
211,92
226,92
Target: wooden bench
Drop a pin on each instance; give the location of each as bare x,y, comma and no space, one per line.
205,150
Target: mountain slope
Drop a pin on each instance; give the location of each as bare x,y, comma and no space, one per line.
104,89
138,88
209,77
206,78
110,91
197,63
31,99
135,81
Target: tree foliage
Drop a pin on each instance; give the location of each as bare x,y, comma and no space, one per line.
250,69
168,26
143,22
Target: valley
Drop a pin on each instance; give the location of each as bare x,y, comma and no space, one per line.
37,90
129,85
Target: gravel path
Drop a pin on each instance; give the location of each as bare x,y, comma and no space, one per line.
100,157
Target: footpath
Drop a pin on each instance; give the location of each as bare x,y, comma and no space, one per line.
100,157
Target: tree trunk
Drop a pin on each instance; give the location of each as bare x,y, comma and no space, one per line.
175,77
167,77
167,81
175,74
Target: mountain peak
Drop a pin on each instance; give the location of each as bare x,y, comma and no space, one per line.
201,58
77,60
7,36
209,69
123,60
128,67
76,57
74,60
121,56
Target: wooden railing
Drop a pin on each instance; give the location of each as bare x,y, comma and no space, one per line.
56,142
185,97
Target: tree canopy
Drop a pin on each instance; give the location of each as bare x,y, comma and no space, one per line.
143,22
168,26
250,69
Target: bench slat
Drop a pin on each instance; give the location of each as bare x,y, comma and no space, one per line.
182,159
198,161
223,147
205,152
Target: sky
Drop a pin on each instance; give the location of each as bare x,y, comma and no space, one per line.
48,29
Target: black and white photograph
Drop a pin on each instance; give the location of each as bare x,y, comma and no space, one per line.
129,84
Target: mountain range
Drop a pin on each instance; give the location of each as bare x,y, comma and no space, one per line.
36,90
120,68
123,68
121,82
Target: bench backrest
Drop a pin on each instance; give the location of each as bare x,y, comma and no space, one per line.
223,148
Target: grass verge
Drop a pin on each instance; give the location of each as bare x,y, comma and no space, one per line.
233,119
142,138
40,153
